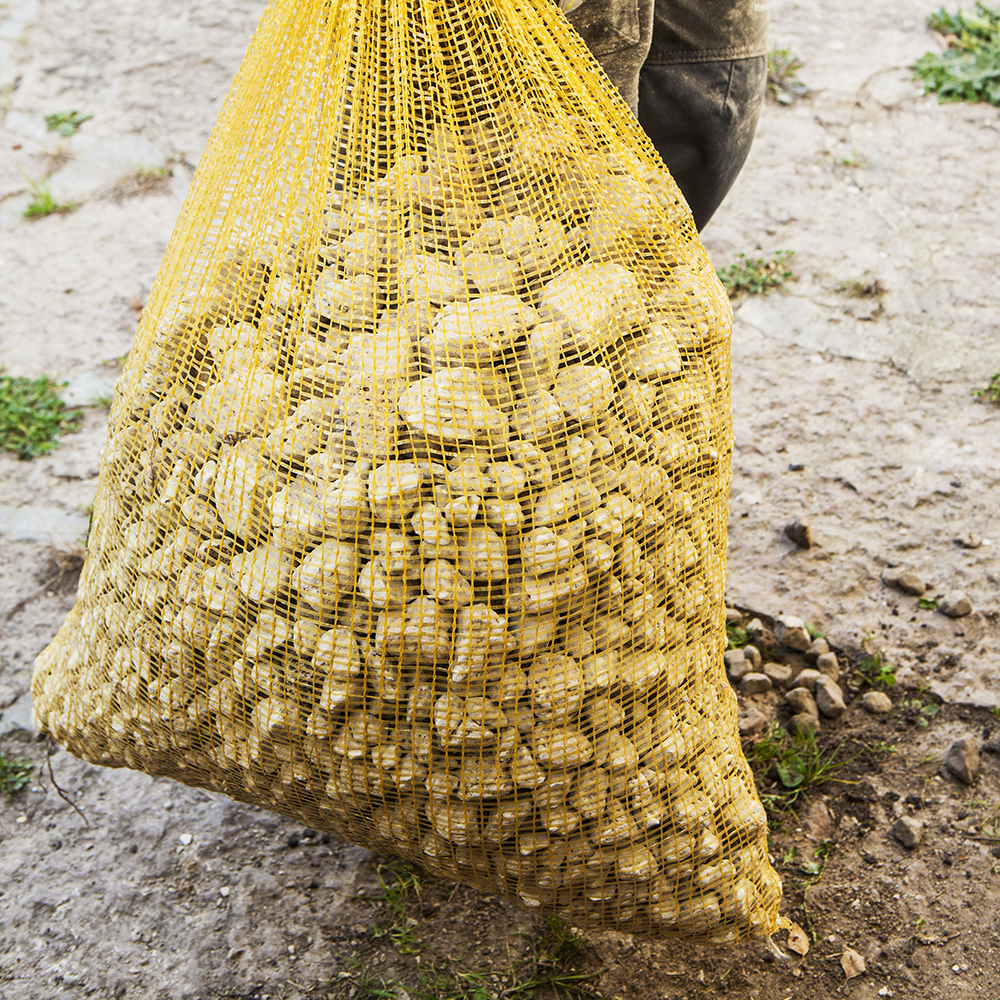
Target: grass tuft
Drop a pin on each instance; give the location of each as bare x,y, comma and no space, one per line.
14,774
32,416
757,276
43,203
783,84
991,391
969,68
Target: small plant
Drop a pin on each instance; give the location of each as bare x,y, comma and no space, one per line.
32,416
397,881
790,854
928,603
142,181
814,633
14,774
736,637
862,288
992,391
852,162
101,402
43,203
65,122
969,68
782,70
757,276
875,672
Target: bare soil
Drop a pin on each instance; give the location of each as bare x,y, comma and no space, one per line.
853,415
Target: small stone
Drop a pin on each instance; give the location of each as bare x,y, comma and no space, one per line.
792,632
755,628
739,670
752,653
829,698
955,604
827,664
733,656
963,759
733,617
799,533
817,648
224,891
910,583
807,679
803,723
891,575
185,839
752,722
801,702
908,831
753,683
876,702
780,674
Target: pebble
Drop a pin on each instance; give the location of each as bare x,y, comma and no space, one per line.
963,759
754,683
752,653
733,656
829,698
827,664
955,604
876,702
803,723
800,534
752,721
908,831
801,702
755,629
891,575
817,648
185,839
733,617
910,583
736,665
792,632
807,679
780,674
224,891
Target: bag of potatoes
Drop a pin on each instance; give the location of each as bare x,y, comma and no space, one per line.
411,522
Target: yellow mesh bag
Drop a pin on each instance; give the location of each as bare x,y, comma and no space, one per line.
411,520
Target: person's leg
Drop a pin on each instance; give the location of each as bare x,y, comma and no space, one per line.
701,117
618,33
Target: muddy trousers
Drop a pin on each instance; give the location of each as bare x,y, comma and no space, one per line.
701,118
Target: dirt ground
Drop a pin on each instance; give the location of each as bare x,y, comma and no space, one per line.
854,415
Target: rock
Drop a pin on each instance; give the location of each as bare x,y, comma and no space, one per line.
752,721
829,697
755,628
733,617
754,683
802,702
807,679
16,720
963,759
955,604
792,632
910,583
780,674
737,667
803,723
827,664
891,575
876,702
799,533
752,653
817,648
908,831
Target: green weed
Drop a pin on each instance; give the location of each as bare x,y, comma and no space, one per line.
14,774
992,391
43,203
397,880
814,633
32,416
928,603
798,764
737,637
862,288
782,72
872,670
969,69
65,122
757,276
813,870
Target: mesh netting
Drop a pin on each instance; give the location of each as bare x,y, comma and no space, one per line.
411,520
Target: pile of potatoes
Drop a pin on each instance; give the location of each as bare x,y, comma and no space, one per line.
412,526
